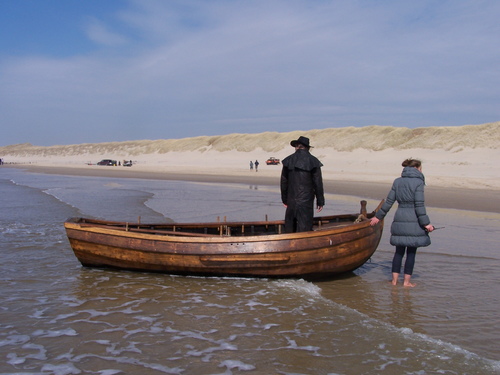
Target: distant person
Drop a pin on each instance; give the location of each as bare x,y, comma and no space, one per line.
251,165
301,182
256,165
411,225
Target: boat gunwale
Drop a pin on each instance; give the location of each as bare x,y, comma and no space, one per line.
77,223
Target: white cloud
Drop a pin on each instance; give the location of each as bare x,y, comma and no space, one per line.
196,68
99,33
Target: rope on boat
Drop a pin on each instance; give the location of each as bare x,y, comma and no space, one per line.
360,218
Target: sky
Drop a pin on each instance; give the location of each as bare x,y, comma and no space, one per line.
93,71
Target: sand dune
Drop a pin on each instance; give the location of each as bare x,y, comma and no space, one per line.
461,156
372,138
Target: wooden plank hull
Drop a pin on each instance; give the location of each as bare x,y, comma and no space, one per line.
323,252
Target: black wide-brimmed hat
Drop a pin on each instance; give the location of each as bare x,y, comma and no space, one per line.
302,140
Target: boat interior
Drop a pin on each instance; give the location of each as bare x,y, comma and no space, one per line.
222,227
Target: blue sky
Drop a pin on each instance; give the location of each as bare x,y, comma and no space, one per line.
74,71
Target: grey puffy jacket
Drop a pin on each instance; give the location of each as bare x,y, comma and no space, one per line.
408,227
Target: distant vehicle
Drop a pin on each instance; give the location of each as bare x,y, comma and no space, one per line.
127,163
272,161
107,162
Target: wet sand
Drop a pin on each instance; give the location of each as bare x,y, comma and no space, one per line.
441,197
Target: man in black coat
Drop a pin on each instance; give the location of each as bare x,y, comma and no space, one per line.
301,182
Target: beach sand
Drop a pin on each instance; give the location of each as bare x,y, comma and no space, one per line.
459,163
487,200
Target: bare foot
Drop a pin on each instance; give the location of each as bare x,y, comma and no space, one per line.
406,281
395,277
410,285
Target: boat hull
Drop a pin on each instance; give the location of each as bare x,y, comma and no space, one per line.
319,253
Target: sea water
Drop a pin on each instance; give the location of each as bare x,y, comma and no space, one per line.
57,317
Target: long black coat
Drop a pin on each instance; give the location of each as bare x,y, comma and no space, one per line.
301,182
410,219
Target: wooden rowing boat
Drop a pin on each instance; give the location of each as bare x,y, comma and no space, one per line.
338,244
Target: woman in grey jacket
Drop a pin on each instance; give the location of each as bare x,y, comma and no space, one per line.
411,226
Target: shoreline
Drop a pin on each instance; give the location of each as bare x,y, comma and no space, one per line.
483,200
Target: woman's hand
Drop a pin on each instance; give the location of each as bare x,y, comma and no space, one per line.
374,221
429,228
